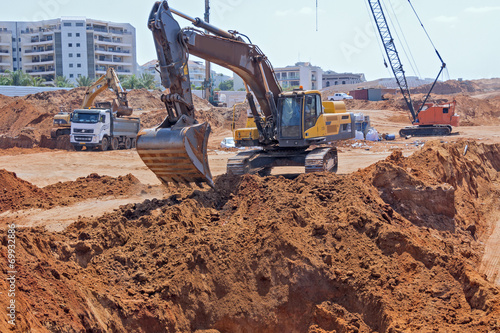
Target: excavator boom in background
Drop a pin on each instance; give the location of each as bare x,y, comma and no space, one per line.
286,126
108,81
429,119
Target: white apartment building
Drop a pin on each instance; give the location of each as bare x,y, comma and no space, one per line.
67,46
302,74
331,78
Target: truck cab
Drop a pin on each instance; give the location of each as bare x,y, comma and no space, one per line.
102,129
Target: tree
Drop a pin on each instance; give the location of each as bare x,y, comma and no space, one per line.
63,82
227,85
17,78
37,81
131,82
4,80
83,81
147,80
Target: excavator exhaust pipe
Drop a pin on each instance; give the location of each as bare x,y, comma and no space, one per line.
177,154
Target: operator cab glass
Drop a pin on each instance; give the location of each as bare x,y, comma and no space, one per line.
82,117
312,110
290,108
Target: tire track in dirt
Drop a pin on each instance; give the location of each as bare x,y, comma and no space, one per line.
490,264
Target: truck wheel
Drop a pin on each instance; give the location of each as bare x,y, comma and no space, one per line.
134,143
78,148
128,143
114,144
104,144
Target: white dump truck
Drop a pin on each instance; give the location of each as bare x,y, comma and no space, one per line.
102,129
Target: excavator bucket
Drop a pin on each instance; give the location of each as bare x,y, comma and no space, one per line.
177,154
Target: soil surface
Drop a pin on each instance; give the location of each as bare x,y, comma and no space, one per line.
404,238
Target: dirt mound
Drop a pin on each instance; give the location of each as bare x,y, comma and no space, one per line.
472,111
318,253
217,117
448,87
17,194
36,111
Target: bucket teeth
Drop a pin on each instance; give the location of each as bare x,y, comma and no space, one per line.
177,155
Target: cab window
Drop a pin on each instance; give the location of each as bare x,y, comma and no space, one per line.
312,110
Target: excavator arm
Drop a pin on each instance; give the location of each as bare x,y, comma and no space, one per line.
176,149
108,81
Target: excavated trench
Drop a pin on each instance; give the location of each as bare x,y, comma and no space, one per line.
391,248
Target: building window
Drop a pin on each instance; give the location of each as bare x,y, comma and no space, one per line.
77,34
79,24
71,55
15,59
79,75
77,44
67,24
70,44
70,65
79,65
78,55
71,75
70,34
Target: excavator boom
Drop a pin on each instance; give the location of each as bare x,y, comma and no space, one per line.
176,149
108,81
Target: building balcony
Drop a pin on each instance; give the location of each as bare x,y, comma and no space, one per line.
5,44
118,71
5,64
112,62
111,42
40,62
39,51
125,53
38,43
4,51
46,71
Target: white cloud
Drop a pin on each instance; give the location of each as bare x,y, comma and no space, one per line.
482,9
445,19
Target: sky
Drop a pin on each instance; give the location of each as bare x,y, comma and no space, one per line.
464,32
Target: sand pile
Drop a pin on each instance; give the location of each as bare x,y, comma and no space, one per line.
35,112
473,111
217,117
448,87
17,194
319,253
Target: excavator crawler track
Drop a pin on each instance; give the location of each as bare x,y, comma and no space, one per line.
261,161
418,131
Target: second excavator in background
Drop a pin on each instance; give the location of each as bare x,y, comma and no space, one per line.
292,128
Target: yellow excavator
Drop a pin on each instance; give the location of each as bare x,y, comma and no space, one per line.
291,128
108,81
62,120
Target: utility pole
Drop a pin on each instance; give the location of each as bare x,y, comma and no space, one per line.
208,79
316,15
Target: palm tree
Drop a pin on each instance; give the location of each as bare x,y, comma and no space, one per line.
4,80
63,82
37,81
17,78
84,81
147,81
132,82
